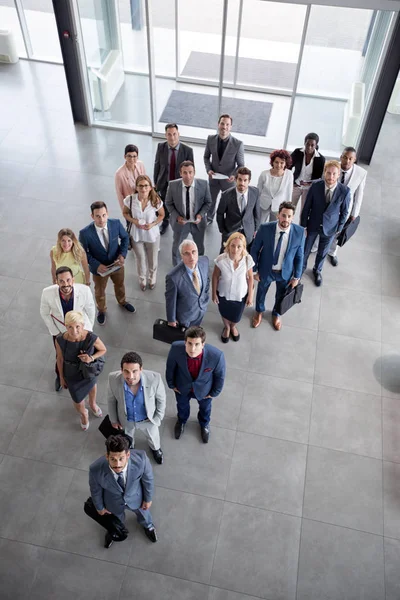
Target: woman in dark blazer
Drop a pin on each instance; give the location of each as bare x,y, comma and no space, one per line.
307,165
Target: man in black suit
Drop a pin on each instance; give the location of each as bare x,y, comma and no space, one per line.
239,209
169,156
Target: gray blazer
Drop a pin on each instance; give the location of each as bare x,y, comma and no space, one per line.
154,397
161,170
177,208
232,158
106,493
183,304
229,218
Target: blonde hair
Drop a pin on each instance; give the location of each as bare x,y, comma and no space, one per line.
236,236
77,250
72,317
332,163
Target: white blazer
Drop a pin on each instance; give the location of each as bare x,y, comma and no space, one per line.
51,309
356,184
284,193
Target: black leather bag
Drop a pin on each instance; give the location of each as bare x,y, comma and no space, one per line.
107,429
292,296
111,522
93,369
348,231
166,333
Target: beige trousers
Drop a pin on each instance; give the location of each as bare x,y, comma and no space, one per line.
146,254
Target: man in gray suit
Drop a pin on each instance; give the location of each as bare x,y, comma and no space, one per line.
187,287
227,154
239,209
188,200
121,479
136,400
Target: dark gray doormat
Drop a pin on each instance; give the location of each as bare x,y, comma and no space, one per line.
200,110
251,71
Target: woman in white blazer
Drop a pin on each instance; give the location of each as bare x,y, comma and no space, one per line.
275,185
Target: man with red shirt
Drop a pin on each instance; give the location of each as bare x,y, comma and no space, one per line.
195,370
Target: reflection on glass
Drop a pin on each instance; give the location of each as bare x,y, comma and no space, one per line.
42,30
9,21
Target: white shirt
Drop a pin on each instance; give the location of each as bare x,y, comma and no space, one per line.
285,241
347,175
123,473
332,189
239,199
191,200
306,170
148,215
232,283
100,234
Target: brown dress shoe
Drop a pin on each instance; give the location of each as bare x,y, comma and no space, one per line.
276,322
256,320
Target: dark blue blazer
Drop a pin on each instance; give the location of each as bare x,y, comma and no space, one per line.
262,251
211,377
96,253
334,217
182,302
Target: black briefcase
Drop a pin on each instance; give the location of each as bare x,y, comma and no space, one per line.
166,333
292,296
107,429
348,230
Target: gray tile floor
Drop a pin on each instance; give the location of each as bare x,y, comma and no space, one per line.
297,494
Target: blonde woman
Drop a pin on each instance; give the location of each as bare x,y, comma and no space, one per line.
145,211
232,284
74,346
69,253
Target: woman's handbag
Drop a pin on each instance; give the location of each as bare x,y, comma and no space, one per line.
93,369
129,225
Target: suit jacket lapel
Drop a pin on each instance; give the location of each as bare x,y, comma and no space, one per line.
58,302
184,364
204,361
110,479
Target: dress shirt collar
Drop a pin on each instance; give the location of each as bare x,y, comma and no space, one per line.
191,271
190,186
331,189
199,357
347,174
128,389
239,195
100,229
280,229
124,472
176,147
65,297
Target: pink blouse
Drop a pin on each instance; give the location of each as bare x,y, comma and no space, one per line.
125,181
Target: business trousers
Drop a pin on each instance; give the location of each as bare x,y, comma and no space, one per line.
183,409
181,232
268,215
323,246
144,519
56,368
263,287
149,429
100,284
146,254
217,186
299,192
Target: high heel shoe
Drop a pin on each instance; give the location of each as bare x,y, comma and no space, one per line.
85,426
96,413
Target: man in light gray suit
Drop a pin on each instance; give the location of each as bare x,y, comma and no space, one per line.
136,400
239,209
227,154
121,480
188,200
187,287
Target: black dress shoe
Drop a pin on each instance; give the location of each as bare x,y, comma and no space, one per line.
205,434
129,307
57,384
164,227
179,429
101,318
108,541
224,339
158,456
151,534
235,338
317,278
334,261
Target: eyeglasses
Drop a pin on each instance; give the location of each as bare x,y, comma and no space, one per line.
144,185
131,155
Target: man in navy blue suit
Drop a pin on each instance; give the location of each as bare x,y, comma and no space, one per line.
195,370
106,245
324,215
277,251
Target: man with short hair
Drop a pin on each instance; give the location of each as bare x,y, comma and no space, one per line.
136,400
324,214
277,251
188,200
60,298
106,244
120,480
239,209
354,177
195,370
222,156
169,157
187,287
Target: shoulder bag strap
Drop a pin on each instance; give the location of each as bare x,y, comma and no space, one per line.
129,224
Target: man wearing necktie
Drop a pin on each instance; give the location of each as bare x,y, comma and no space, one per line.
120,480
239,209
277,252
169,157
324,215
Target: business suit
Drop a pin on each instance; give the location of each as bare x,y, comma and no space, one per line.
318,162
323,220
97,255
231,160
183,303
154,400
356,184
262,252
209,382
161,168
231,219
177,208
139,487
52,313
